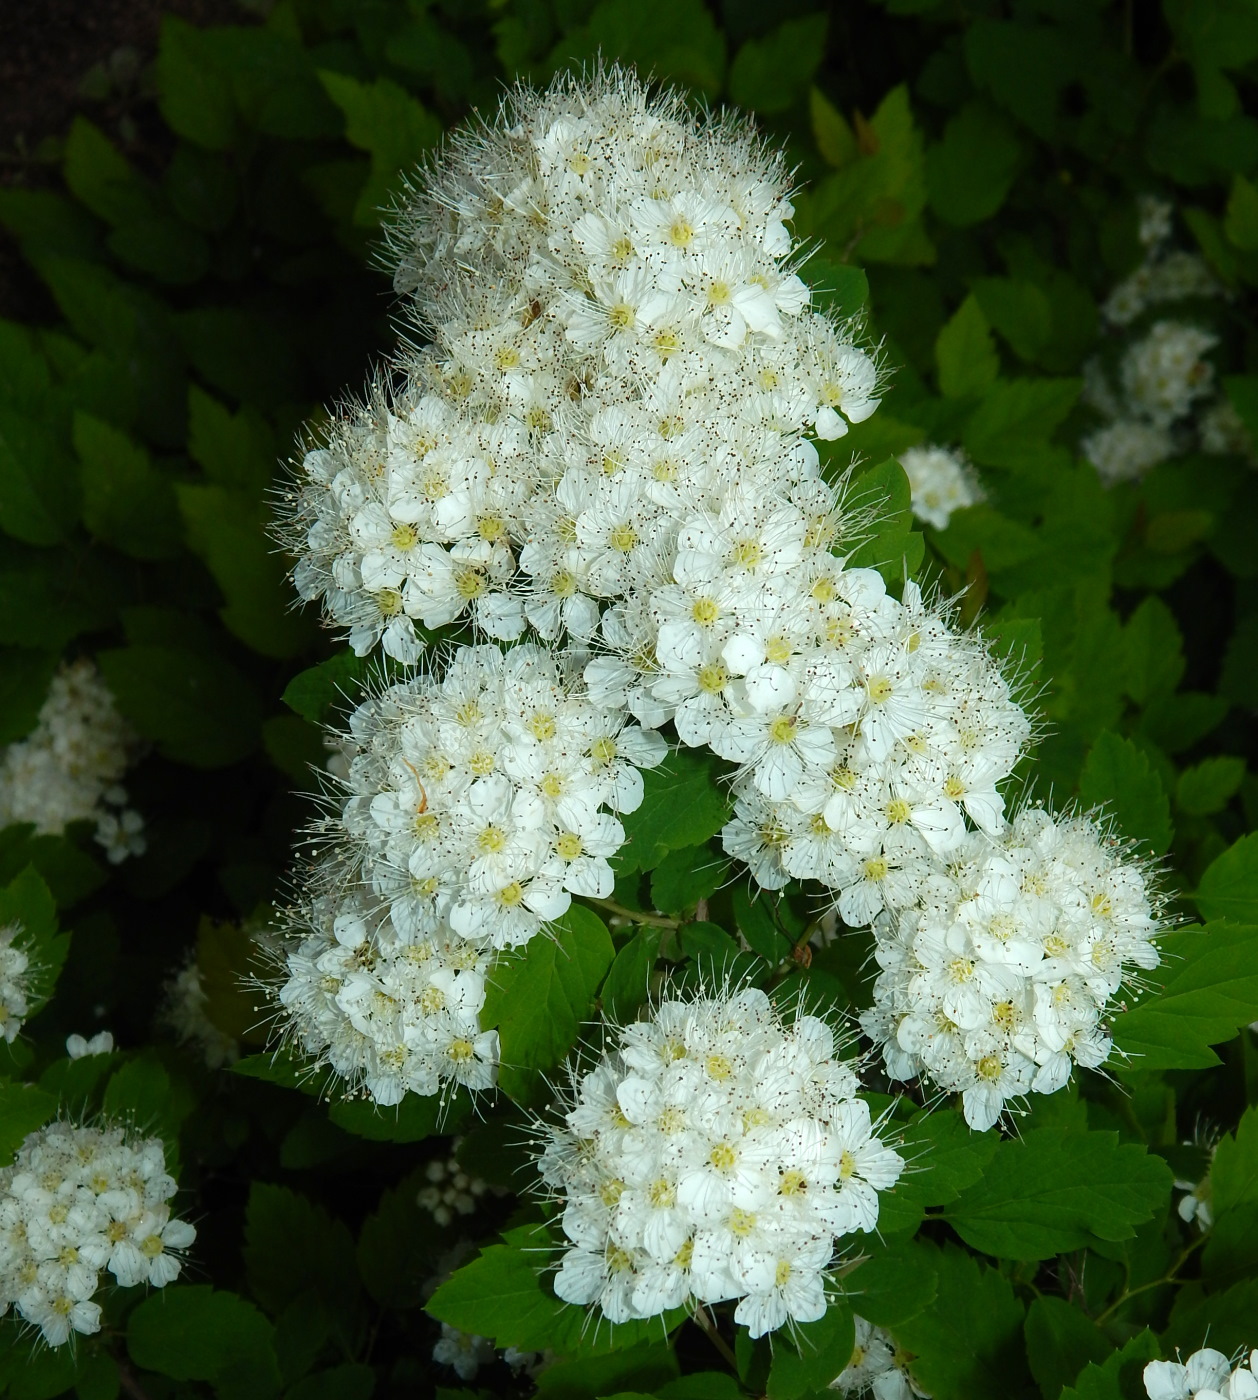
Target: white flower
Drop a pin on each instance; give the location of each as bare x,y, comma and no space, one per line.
68,768
941,481
77,1046
462,1351
1126,449
1166,372
15,967
76,1202
878,1367
1206,1372
715,1152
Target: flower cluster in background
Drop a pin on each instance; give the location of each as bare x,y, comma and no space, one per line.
941,480
69,768
714,1153
1155,388
183,1012
79,1202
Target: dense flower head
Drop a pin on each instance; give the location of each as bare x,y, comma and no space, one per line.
69,767
1206,1375
450,1190
878,1367
478,804
714,1151
863,753
942,481
997,980
388,1014
15,966
78,1202
619,349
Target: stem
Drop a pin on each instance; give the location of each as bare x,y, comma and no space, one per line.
1171,1276
708,1327
635,915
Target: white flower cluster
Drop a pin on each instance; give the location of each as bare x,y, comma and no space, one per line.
78,1202
622,366
942,481
998,979
715,1153
878,1367
1206,1375
68,768
15,966
1159,398
868,746
184,1012
464,1352
388,1014
450,1191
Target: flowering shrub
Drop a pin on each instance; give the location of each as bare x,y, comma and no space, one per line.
775,914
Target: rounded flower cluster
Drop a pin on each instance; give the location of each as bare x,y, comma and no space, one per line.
1206,1375
68,768
14,982
478,804
862,755
997,980
450,1191
78,1202
878,1367
941,481
387,1014
714,1153
621,353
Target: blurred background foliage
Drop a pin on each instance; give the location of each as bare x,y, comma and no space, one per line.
188,276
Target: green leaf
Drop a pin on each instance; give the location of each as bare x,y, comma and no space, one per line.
227,528
395,1245
969,172
815,1354
1234,1170
944,1156
628,983
1019,311
1208,786
540,996
635,1371
965,353
682,805
505,1294
237,450
675,39
838,288
126,502
1153,651
977,1304
28,902
295,1251
1060,1341
413,1120
354,1381
330,686
39,489
1229,887
771,74
142,1093
195,98
23,1109
685,877
24,680
1120,1375
893,1284
197,709
100,177
1119,777
1052,1192
831,130
391,126
251,355
1204,991
193,1333
1016,417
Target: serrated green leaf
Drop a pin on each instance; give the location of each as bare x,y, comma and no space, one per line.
893,1284
976,1303
1017,310
831,131
683,805
1061,1340
27,901
334,684
1119,777
771,74
1120,1375
1205,989
102,178
1153,651
395,1244
237,450
1207,787
1052,1192
969,172
413,1120
634,1372
294,1250
677,39
24,680
628,983
539,997
194,97
965,353
1016,417
194,1333
23,1109
685,877
1223,1320
1234,1169
127,502
1229,887
39,488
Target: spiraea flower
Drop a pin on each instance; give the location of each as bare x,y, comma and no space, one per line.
479,804
184,1012
76,1203
15,967
878,1367
464,1352
451,1191
619,347
998,980
1206,1375
69,767
715,1151
388,1014
942,481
